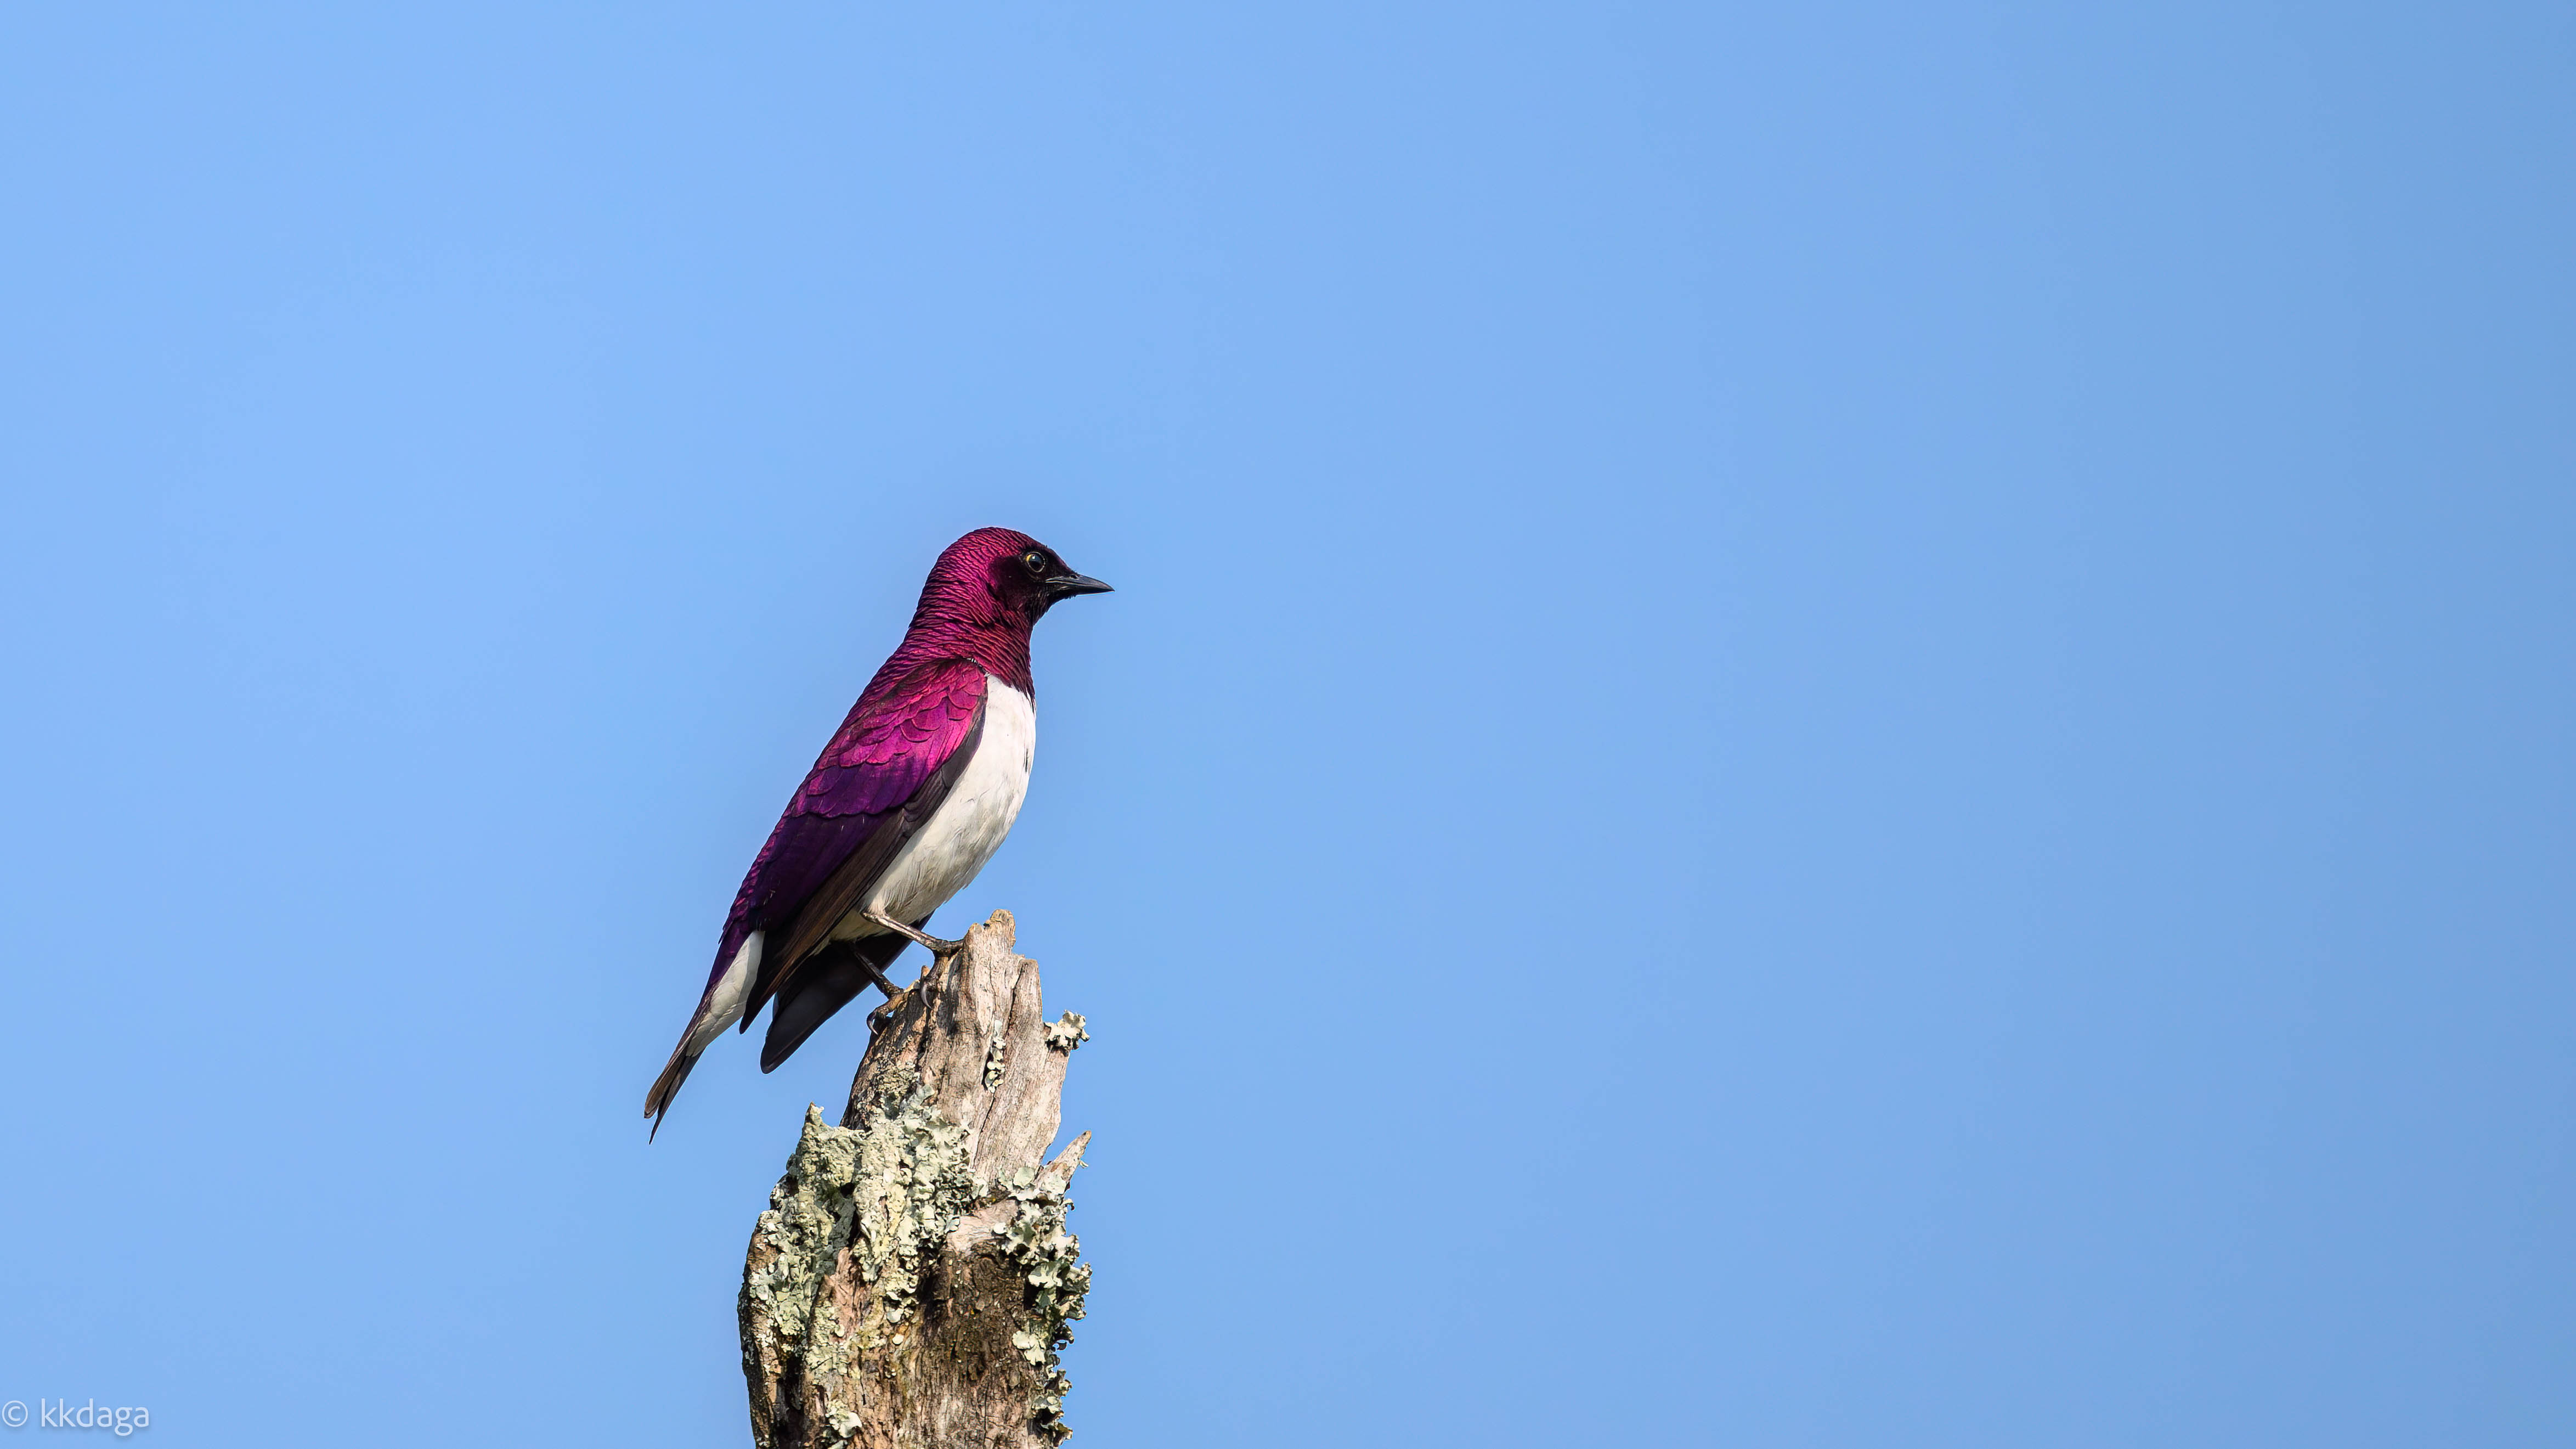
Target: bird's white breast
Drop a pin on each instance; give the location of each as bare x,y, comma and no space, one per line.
952,846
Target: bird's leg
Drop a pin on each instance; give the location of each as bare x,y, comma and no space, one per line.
937,946
876,976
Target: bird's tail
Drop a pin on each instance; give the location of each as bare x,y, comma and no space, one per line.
717,1010
666,1086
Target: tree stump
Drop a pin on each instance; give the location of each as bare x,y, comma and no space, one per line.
912,1280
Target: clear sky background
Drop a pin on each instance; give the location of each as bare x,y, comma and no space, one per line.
1832,725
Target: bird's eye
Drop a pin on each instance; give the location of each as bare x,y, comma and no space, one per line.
1036,562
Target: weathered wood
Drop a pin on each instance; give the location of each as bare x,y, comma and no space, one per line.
912,1280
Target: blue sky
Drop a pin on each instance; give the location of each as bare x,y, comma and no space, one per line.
1836,725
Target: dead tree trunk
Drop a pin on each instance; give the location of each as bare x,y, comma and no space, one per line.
912,1280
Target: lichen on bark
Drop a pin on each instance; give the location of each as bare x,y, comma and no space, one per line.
912,1281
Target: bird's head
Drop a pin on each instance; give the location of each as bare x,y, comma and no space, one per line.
1001,577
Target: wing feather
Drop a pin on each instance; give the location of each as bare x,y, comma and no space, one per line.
891,744
848,885
893,760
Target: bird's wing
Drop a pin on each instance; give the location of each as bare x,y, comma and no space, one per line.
888,767
847,887
892,745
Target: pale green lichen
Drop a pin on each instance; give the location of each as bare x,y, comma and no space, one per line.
1068,1033
1050,1260
914,1186
890,1191
807,1222
993,1058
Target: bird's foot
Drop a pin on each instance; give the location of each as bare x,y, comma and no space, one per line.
936,946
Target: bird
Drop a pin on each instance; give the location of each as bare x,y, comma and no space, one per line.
904,806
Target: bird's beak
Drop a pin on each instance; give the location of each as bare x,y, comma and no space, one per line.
1065,586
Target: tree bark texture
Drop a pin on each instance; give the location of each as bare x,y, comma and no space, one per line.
912,1280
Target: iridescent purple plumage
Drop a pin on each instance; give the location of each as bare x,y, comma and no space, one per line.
885,772
898,734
